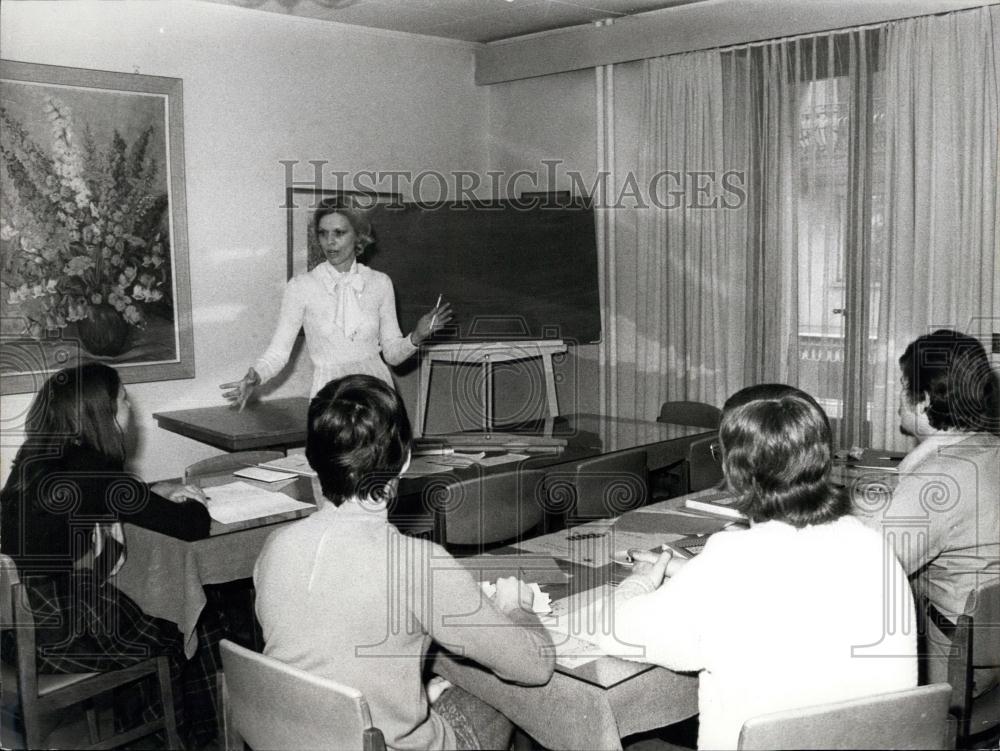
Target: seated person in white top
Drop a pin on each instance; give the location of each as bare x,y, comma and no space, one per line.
342,594
943,517
790,612
348,312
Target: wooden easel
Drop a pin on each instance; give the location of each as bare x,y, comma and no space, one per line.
486,354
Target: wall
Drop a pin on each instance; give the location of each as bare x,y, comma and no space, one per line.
258,88
535,121
531,122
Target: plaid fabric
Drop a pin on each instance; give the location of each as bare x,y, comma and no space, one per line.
83,624
477,725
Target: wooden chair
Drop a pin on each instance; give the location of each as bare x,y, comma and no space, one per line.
696,414
914,718
270,705
44,699
476,514
224,462
601,487
975,644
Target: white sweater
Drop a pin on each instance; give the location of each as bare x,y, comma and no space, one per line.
309,304
776,617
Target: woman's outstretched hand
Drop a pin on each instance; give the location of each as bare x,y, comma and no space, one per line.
241,390
431,322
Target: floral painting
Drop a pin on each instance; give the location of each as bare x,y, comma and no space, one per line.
92,232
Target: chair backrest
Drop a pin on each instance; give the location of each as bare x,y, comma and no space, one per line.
697,414
914,718
223,462
704,464
976,645
271,705
604,486
983,612
16,615
487,510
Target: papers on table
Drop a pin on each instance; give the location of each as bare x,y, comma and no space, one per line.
296,463
239,501
669,522
720,505
264,475
430,464
456,459
492,461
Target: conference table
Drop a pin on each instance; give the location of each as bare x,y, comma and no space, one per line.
611,697
281,424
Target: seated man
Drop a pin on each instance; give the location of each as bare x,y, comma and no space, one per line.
943,518
342,594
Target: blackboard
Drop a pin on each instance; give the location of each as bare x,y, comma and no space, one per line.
510,269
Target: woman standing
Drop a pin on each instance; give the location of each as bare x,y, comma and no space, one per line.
348,312
60,513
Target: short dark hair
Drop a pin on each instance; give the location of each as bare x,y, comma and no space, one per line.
777,454
952,372
358,437
359,219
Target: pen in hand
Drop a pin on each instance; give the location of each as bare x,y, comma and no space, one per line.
434,317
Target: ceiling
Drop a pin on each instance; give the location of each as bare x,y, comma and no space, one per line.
468,20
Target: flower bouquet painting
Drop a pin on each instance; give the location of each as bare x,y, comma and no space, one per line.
93,256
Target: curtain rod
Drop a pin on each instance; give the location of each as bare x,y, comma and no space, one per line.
833,32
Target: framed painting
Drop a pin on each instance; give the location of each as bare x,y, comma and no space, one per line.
93,225
304,253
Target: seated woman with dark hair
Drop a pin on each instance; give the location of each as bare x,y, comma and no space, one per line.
342,594
945,510
790,612
61,511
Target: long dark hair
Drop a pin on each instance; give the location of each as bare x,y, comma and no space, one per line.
75,409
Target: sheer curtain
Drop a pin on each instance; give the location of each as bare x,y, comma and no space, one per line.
869,165
683,318
941,213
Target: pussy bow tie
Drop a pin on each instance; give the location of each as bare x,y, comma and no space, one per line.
346,287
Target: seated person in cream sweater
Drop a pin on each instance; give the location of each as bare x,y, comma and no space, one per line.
788,613
342,594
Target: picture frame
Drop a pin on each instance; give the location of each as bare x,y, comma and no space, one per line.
93,225
301,203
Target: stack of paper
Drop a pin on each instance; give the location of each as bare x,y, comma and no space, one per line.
264,475
296,463
239,501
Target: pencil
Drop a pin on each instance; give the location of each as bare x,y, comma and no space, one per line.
434,317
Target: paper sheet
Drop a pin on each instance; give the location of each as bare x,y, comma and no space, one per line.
264,475
425,465
296,463
239,501
492,461
587,544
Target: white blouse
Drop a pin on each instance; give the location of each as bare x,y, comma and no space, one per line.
775,618
313,301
